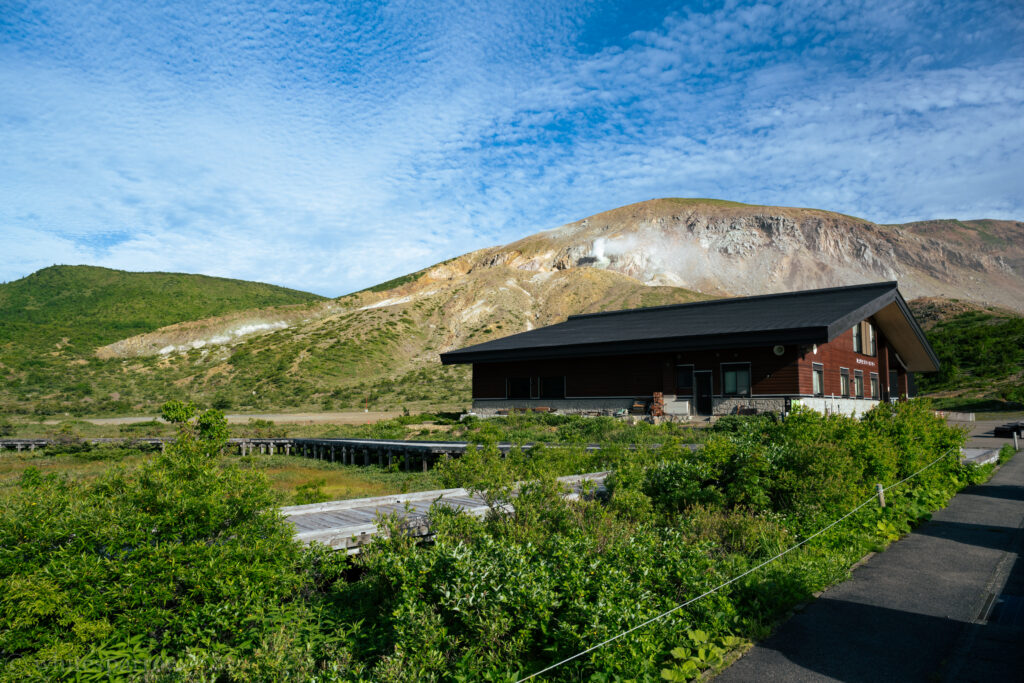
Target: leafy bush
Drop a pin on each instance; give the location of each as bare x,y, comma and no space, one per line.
311,492
184,565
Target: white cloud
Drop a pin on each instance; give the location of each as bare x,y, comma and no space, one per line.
329,151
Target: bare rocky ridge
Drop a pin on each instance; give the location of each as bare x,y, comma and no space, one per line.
721,248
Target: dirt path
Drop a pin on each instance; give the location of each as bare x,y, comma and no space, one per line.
279,418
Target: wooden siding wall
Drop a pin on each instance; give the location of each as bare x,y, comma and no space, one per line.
642,375
839,353
638,375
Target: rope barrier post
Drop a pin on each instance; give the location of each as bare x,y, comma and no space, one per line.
1016,446
881,495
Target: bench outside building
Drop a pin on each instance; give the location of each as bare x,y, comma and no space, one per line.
841,349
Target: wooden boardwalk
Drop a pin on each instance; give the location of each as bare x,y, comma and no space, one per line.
349,524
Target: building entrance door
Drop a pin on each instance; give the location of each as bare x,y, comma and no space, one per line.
702,378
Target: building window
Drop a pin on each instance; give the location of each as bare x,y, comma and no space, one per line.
736,379
818,379
894,385
552,387
872,342
858,383
858,345
684,380
844,382
518,387
874,385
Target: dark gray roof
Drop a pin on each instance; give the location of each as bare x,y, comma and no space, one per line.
807,317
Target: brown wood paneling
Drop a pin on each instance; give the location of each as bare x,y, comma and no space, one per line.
642,375
837,354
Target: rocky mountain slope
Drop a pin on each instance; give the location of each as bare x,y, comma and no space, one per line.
380,345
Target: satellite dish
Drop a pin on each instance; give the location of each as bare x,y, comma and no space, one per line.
778,349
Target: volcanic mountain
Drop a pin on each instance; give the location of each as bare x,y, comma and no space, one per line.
381,345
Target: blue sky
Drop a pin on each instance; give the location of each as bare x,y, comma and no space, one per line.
330,146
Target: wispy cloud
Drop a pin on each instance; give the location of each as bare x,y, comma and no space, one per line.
329,148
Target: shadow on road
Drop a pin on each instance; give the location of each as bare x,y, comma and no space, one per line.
982,535
1004,491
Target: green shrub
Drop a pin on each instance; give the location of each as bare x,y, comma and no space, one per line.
183,563
311,492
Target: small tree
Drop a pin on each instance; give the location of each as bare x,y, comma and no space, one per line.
199,434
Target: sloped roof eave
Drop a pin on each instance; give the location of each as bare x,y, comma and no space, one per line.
804,335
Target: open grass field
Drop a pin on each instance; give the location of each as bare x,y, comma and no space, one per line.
295,479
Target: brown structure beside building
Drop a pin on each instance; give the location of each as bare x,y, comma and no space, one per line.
841,349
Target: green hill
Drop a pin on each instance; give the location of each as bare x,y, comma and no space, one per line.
981,351
52,321
83,307
982,356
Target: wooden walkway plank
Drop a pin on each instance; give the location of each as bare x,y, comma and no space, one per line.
349,524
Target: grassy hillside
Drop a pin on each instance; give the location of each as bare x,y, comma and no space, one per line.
351,354
52,321
83,307
981,351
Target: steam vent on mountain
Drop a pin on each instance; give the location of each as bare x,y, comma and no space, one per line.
841,349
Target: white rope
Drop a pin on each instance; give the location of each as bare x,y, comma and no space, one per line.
730,581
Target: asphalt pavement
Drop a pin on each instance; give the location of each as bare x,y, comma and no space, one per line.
945,603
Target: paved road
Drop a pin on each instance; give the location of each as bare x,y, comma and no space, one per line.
946,603
981,433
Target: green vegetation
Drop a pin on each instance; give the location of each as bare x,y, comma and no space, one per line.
396,282
91,307
518,428
294,479
52,321
351,361
696,201
181,570
982,356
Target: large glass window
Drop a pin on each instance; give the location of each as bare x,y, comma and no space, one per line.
552,387
518,387
874,385
736,379
894,385
844,382
858,383
872,342
818,379
858,344
684,380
